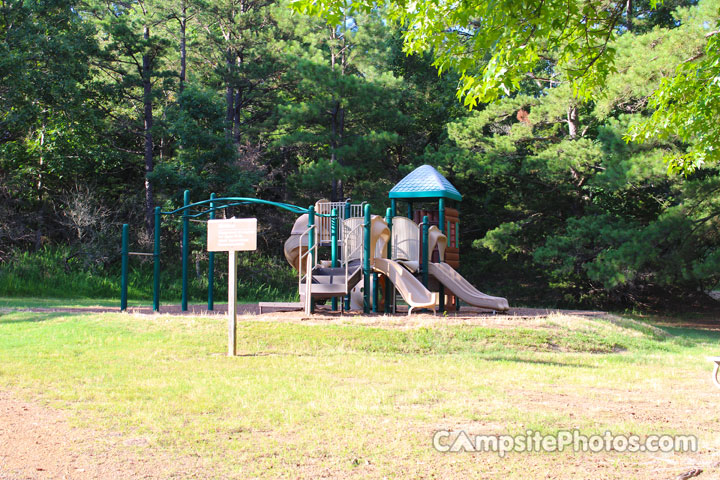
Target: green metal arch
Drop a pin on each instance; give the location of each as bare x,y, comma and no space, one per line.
236,201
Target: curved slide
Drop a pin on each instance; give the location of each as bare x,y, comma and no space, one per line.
411,289
292,247
447,275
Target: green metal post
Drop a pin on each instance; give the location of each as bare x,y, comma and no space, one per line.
334,247
185,251
393,207
445,230
375,292
311,233
311,244
211,263
124,268
457,245
441,215
425,228
156,263
410,210
347,215
366,261
388,287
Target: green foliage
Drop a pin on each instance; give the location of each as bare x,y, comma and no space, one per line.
493,45
568,201
685,107
201,163
496,45
65,273
111,109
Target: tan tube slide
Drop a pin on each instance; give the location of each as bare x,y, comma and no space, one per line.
447,275
411,289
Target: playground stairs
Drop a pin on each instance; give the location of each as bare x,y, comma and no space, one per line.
330,282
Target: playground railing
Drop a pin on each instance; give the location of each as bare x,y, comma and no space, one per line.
345,210
347,256
308,256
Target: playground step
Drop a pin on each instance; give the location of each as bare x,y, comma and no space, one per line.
330,282
281,306
330,290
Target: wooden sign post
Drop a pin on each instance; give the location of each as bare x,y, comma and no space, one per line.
232,235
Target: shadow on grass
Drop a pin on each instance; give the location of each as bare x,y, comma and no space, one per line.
31,317
519,359
695,335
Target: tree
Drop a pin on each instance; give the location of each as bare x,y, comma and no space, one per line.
49,120
342,113
132,67
495,45
686,107
566,200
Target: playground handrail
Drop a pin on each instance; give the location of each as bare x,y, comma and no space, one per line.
308,267
346,256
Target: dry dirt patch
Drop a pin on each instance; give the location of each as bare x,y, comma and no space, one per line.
37,442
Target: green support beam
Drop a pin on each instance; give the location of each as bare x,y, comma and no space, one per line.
311,254
347,215
445,230
388,286
124,268
156,262
334,248
425,260
211,263
185,251
366,260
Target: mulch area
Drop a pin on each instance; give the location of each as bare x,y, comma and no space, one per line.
323,310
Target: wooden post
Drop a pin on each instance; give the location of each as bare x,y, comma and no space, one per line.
232,302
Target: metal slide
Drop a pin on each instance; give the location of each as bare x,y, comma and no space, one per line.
411,289
447,275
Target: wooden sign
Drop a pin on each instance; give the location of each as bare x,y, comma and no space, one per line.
232,235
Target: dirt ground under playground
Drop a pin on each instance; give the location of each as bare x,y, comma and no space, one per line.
38,442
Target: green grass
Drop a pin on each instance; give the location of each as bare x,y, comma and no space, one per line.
53,272
33,302
358,401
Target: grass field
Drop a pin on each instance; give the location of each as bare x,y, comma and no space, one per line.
344,399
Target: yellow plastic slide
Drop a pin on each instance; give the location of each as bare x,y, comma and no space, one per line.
447,275
411,289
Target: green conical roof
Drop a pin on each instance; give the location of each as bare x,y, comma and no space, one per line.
425,182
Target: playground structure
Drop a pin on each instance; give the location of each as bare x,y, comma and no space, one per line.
370,256
396,252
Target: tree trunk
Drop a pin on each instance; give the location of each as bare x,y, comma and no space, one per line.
183,46
628,9
229,94
148,123
337,115
337,121
572,119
